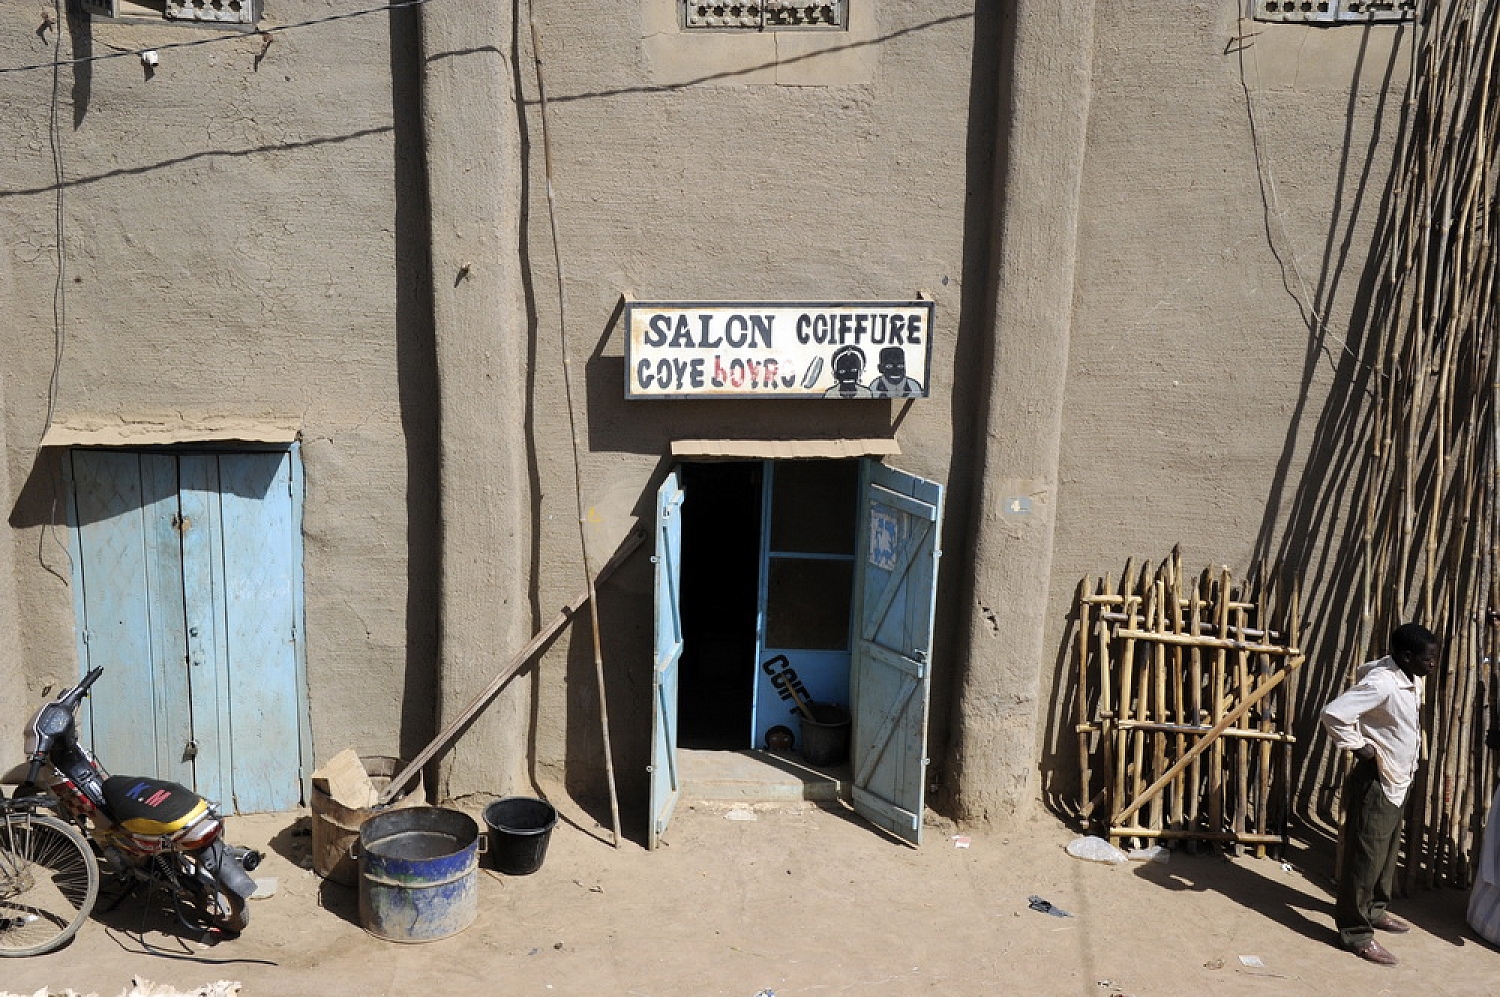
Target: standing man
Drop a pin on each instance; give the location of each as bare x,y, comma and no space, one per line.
1379,719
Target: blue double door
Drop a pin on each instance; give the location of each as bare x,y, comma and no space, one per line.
817,577
187,571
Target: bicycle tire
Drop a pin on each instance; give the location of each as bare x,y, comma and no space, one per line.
49,882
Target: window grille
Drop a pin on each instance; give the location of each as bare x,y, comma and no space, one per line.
765,15
212,11
1335,11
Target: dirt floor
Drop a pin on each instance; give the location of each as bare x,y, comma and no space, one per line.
799,900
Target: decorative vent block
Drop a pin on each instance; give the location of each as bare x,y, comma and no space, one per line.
1296,10
1378,10
227,11
765,15
1335,11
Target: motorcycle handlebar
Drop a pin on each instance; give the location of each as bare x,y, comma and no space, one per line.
75,695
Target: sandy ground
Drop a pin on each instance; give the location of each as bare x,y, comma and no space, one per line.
801,900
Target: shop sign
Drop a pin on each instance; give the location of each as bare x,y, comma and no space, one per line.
873,349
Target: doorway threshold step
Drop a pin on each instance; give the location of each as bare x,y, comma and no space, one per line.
757,775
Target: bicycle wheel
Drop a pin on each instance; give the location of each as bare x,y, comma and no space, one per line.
49,880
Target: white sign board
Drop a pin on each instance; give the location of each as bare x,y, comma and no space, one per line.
874,349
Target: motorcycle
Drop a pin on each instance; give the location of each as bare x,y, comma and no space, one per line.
152,834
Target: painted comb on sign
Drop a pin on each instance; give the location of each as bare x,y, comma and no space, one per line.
872,349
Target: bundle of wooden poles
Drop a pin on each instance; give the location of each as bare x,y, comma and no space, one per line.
1185,695
1428,482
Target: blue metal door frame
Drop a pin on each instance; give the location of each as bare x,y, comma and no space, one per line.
823,674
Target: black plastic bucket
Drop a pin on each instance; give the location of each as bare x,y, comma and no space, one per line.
519,829
825,737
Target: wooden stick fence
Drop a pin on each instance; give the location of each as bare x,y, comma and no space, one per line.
1184,700
1429,534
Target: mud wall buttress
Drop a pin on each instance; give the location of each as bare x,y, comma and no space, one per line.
473,154
1041,137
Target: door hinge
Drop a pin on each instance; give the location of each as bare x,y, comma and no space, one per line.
87,635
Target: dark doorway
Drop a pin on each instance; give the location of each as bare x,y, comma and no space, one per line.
721,535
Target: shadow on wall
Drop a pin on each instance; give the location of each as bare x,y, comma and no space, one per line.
626,637
42,503
416,386
970,397
1314,535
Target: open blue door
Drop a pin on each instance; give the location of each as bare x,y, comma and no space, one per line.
665,784
895,598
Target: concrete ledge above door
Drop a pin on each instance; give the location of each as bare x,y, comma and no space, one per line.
121,430
783,449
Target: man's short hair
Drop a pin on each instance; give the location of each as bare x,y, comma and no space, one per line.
1412,638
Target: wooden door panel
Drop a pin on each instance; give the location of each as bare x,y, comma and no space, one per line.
665,782
895,602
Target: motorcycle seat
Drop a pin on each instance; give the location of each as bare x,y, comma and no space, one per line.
152,806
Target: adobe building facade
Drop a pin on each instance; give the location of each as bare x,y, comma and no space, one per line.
387,259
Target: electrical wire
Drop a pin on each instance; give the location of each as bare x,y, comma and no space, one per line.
211,39
1291,270
59,289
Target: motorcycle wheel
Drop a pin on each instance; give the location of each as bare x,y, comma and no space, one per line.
49,882
224,911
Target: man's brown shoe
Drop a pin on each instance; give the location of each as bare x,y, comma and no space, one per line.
1393,924
1373,951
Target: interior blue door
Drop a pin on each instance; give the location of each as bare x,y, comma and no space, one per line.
666,787
895,599
803,612
188,590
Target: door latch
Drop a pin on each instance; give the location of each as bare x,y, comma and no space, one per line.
190,750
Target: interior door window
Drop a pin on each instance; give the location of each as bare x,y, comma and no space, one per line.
807,603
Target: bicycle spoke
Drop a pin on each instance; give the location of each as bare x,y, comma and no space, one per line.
49,881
